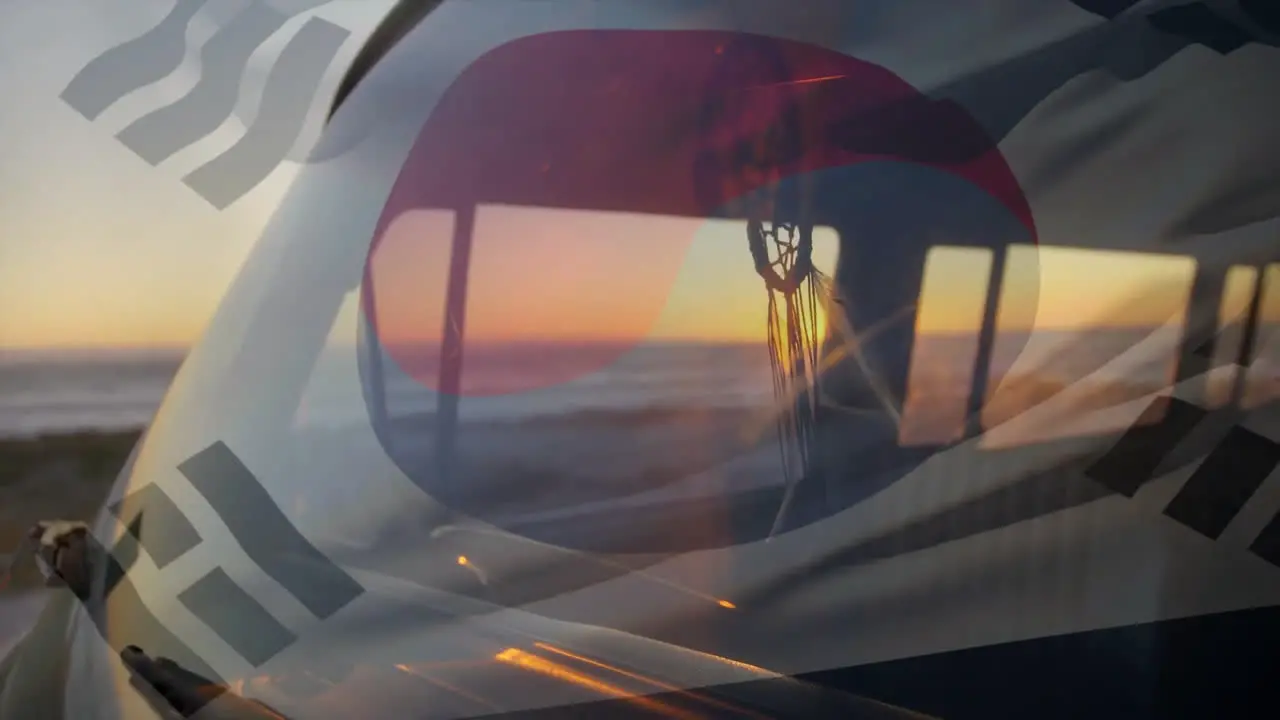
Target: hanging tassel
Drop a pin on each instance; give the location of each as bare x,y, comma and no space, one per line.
793,347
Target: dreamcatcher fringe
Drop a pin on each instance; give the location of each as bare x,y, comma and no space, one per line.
793,355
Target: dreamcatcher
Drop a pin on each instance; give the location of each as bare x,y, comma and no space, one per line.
783,257
758,133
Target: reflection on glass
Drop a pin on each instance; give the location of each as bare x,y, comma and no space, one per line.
604,354
411,256
1262,382
558,294
1237,295
950,311
1080,354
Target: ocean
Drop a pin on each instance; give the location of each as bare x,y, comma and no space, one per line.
57,391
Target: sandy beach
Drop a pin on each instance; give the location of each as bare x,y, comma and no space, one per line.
48,476
55,476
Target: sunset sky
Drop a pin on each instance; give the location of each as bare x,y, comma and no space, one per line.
576,276
97,247
100,249
567,275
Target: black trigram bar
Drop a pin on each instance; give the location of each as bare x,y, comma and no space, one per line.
122,558
266,535
1199,24
1267,544
1224,482
1133,461
123,619
292,83
162,133
1106,8
169,533
147,59
236,617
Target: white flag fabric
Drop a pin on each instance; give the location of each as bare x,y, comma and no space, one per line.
494,387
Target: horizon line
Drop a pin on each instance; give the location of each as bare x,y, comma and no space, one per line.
187,347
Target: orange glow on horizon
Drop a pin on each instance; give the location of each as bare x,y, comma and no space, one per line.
78,328
1063,288
560,276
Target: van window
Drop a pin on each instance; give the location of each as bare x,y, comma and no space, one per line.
1233,312
948,319
1262,382
1084,339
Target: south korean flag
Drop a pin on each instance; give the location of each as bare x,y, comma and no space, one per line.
487,425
